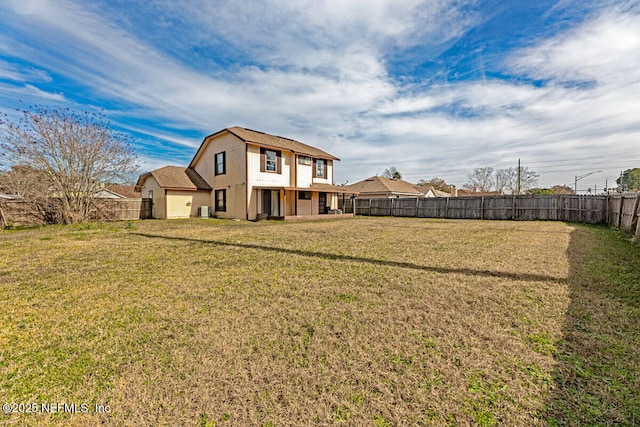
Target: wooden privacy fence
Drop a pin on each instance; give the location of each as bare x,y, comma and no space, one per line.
120,209
624,212
619,211
19,213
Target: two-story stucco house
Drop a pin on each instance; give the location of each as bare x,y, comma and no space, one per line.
246,174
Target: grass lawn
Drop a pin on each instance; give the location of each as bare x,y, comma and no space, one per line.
370,321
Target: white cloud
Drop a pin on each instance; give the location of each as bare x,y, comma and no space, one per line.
318,72
605,50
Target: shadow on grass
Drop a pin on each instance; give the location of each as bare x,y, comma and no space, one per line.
597,376
337,257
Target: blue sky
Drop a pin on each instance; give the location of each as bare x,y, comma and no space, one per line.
434,88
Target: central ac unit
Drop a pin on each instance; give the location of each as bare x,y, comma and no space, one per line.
204,212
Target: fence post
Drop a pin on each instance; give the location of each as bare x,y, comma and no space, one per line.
582,207
513,208
446,209
559,210
369,207
391,213
482,207
417,202
619,220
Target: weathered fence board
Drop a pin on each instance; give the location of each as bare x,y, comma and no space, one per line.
498,207
628,213
615,209
432,208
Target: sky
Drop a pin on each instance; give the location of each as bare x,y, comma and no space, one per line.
435,88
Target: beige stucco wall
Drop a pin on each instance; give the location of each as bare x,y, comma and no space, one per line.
200,198
236,208
158,206
233,180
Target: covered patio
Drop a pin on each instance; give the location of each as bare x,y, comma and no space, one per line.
320,201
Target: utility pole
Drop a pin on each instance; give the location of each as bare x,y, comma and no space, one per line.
578,178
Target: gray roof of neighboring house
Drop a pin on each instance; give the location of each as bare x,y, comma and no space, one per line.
382,185
127,191
175,177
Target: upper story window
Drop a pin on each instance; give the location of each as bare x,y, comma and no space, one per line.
220,163
270,160
304,160
319,168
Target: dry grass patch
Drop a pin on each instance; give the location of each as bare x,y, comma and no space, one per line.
376,321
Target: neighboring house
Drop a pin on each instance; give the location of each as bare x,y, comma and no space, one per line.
427,190
105,193
246,174
124,191
378,186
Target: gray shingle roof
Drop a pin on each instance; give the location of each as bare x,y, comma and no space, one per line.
262,139
381,185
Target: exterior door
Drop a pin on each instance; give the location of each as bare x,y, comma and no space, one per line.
271,202
322,203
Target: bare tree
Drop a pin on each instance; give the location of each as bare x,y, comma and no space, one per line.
481,179
437,183
528,179
392,173
502,180
506,180
72,154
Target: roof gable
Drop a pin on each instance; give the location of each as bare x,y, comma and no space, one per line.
249,136
176,177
